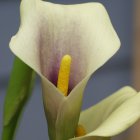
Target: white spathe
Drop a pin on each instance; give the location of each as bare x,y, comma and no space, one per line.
48,32
111,116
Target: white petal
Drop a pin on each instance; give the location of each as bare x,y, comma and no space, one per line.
49,31
111,116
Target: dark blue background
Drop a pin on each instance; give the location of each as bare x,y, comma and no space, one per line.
115,74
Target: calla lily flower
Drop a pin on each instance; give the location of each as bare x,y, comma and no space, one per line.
111,116
84,36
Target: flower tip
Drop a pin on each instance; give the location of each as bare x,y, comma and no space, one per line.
67,58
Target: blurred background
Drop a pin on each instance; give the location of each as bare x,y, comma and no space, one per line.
115,74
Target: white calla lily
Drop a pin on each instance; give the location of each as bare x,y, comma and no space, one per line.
84,32
111,116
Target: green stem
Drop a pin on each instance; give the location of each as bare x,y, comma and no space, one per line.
18,93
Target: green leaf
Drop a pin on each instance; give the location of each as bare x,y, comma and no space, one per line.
19,89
